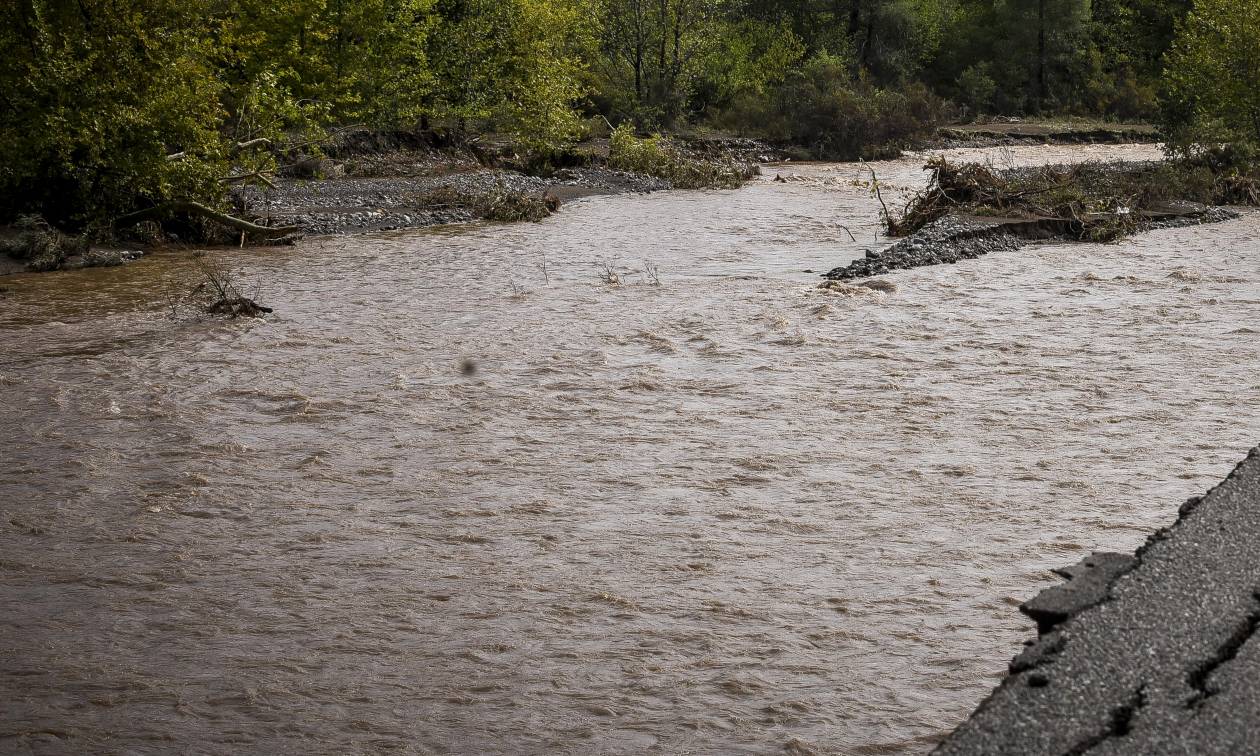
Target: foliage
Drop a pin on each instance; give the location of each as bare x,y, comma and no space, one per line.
746,58
95,96
651,54
661,157
1213,76
822,109
513,64
108,107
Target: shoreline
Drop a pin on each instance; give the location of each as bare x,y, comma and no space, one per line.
1009,133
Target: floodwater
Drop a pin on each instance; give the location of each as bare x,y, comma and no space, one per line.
443,501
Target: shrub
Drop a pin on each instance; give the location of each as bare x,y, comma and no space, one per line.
822,109
1211,76
660,157
976,88
97,95
41,247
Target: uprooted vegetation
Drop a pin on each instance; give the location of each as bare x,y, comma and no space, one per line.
218,291
664,158
501,203
39,246
1091,201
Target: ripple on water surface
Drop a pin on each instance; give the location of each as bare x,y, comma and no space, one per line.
424,510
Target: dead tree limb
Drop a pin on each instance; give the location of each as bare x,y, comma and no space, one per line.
196,208
258,176
259,142
889,223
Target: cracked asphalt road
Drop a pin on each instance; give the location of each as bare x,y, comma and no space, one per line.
1165,661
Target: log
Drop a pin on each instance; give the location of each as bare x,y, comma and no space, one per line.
196,208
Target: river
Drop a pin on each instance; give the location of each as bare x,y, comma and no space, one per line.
462,494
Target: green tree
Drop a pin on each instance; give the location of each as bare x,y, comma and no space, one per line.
514,64
1047,40
652,50
105,106
1213,76
331,60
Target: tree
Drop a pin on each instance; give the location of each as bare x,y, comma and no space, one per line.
1213,76
652,49
513,64
94,97
1043,44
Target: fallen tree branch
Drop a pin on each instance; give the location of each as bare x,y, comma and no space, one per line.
260,141
889,223
325,138
196,208
259,176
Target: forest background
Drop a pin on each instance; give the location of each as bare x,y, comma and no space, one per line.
112,106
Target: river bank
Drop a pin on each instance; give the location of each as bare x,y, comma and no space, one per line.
1011,131
369,182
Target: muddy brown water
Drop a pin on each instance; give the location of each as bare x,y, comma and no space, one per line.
441,502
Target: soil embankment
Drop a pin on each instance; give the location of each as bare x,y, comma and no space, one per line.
1149,654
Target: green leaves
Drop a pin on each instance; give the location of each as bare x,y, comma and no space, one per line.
1213,76
97,94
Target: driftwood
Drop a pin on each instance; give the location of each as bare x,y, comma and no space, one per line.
196,208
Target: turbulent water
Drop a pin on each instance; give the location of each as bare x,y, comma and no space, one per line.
463,494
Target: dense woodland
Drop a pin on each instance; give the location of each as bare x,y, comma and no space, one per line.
109,106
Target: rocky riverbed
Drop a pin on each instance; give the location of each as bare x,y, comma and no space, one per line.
357,204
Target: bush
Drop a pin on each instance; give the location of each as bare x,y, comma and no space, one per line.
821,109
661,157
1211,94
41,247
96,96
976,88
